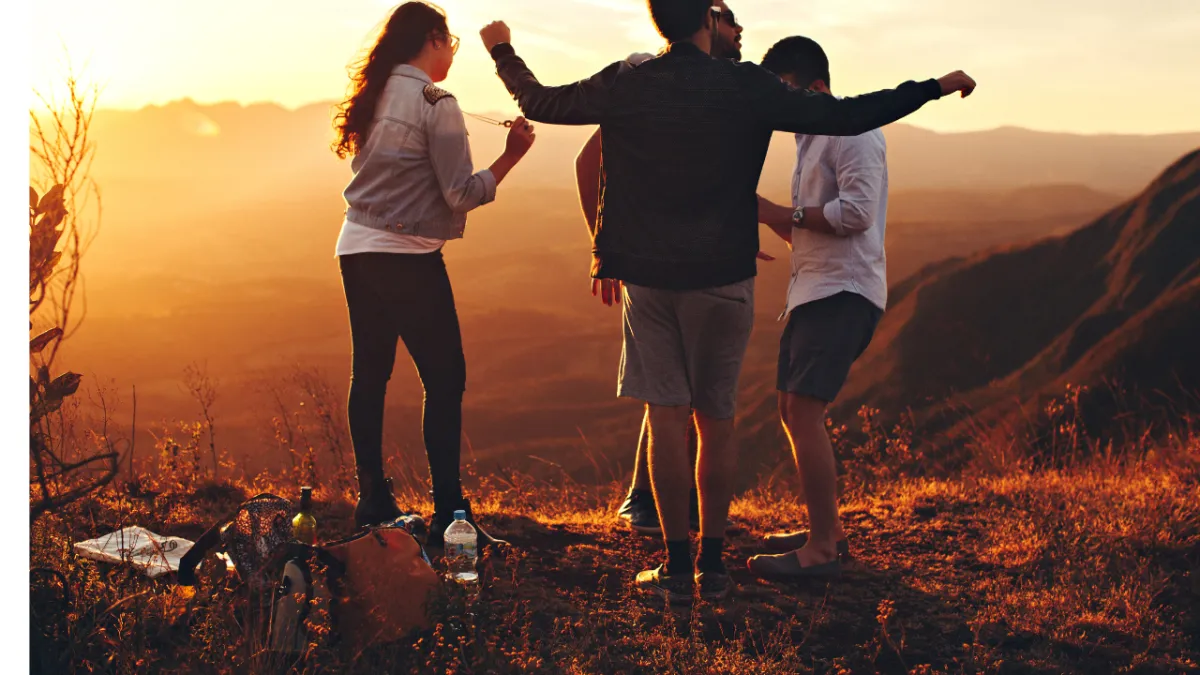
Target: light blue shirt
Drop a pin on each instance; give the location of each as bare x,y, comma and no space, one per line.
414,174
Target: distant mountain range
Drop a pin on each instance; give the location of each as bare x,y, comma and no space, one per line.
217,245
264,145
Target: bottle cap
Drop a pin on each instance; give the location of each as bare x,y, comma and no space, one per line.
306,491
460,515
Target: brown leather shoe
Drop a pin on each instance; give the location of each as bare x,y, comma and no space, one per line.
786,566
790,541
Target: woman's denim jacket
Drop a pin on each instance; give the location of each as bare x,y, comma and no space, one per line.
414,174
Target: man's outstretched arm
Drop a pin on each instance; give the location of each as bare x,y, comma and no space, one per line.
801,111
583,102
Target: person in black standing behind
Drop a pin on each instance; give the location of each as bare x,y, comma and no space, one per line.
412,187
684,137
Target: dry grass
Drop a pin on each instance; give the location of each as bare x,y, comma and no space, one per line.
1088,569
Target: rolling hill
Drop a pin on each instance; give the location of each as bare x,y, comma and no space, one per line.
1112,303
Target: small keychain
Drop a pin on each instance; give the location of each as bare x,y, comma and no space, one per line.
507,124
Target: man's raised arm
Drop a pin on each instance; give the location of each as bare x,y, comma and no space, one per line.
583,102
801,111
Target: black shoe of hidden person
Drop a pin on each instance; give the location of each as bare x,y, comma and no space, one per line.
641,512
376,502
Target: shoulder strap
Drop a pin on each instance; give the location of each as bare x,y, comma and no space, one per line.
206,542
306,607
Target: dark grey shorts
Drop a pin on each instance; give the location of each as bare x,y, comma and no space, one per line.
821,341
686,347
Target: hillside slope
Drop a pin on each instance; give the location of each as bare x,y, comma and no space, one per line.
1112,301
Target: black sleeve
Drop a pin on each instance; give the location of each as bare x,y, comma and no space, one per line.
783,108
583,102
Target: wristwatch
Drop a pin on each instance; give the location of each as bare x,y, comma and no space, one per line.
798,217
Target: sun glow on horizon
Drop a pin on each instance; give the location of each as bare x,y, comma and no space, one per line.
144,52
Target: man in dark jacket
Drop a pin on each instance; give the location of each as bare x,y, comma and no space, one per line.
639,509
684,139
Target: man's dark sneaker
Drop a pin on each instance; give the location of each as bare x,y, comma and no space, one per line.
376,502
443,517
676,589
714,586
632,499
641,512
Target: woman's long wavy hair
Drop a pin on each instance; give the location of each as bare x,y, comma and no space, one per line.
401,40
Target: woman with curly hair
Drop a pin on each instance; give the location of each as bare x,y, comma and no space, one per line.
412,186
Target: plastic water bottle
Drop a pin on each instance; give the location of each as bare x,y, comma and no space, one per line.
461,554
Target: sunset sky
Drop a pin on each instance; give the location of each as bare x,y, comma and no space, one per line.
1070,65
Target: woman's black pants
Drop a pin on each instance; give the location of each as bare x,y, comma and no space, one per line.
399,296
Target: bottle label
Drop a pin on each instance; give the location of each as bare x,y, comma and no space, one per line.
464,550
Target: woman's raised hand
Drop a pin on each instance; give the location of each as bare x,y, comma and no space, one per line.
520,138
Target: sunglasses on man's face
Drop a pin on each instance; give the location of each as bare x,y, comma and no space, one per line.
726,15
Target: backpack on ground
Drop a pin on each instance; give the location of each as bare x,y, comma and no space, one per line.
388,585
370,588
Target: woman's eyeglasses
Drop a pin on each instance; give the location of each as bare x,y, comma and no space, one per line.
453,40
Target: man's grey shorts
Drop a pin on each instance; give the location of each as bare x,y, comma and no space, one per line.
822,340
686,347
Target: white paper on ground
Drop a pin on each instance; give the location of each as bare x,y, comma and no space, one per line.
152,553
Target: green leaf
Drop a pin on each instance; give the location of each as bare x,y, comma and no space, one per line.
33,198
51,200
37,344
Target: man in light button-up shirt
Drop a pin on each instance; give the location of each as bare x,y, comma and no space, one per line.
837,294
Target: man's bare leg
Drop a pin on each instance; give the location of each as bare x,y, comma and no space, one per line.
641,473
715,468
804,421
693,439
670,475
